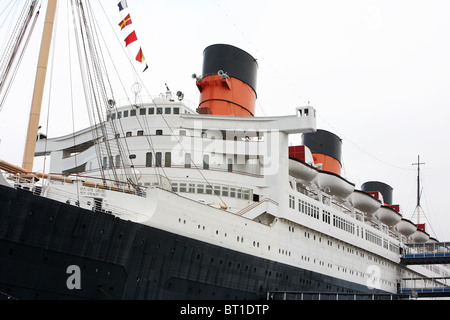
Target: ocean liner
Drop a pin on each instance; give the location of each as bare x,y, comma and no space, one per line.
157,200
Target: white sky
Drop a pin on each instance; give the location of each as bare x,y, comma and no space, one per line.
377,72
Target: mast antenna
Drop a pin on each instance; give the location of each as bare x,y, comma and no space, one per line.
418,187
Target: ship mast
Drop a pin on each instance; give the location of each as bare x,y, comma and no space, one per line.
418,187
41,72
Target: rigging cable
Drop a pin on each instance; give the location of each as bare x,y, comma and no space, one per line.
8,60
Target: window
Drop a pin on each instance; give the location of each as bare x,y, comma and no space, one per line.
133,113
159,110
140,133
225,191
129,134
125,114
149,160
176,110
206,162
118,161
143,112
291,202
151,110
168,160
230,165
119,115
158,159
159,132
187,160
168,111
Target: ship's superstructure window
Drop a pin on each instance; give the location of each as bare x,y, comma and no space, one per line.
149,159
326,216
118,161
291,202
158,159
140,133
168,111
176,110
159,132
143,112
125,114
151,110
168,159
187,160
133,113
206,162
159,110
230,165
129,134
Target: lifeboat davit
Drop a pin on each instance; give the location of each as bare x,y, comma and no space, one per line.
406,227
334,184
420,236
301,170
389,216
365,202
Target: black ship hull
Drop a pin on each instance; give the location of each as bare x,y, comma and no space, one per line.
121,260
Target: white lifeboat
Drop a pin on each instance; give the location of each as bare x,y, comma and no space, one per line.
301,170
389,216
365,202
406,227
334,184
420,236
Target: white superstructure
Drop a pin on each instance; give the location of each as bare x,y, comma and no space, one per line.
230,182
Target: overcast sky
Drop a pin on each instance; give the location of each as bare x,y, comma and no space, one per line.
377,72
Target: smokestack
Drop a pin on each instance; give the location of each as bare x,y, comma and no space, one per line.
228,83
383,188
326,149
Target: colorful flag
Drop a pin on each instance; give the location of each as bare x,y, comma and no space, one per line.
123,5
130,39
125,22
140,56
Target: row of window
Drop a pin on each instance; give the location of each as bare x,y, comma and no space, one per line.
143,112
158,159
219,190
339,222
285,252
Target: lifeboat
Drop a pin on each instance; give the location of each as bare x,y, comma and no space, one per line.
389,216
432,240
420,236
301,170
365,201
334,184
406,227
